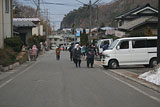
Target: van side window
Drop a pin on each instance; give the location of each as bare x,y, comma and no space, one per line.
139,43
151,43
124,45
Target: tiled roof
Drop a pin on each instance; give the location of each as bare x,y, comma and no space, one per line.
23,23
137,22
136,11
27,19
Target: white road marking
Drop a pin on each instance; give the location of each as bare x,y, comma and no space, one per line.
5,83
8,81
137,89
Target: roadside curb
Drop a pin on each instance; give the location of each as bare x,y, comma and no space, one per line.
10,67
134,77
140,81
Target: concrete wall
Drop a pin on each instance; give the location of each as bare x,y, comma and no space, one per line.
5,22
35,30
1,24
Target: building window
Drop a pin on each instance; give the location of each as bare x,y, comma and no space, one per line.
7,6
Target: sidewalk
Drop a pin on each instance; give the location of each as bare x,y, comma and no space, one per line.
132,76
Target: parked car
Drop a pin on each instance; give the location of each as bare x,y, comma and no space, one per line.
131,51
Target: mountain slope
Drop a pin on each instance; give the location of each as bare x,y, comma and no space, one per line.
106,13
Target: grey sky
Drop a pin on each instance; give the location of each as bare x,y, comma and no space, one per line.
56,12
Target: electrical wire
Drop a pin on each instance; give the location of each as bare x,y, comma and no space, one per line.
63,4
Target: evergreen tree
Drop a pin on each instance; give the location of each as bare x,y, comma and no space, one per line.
83,37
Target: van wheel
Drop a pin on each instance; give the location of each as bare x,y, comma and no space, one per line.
153,62
113,64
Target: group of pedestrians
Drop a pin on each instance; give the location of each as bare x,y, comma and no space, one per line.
76,51
33,53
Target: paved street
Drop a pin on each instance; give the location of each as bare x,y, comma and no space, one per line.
51,83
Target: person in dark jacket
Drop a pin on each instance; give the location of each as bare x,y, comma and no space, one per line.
106,45
77,55
70,51
90,55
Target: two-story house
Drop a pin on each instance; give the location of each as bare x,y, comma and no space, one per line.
137,20
5,20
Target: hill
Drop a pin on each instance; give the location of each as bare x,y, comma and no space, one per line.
106,13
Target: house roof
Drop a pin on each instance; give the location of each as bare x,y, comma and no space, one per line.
140,21
17,23
27,19
132,13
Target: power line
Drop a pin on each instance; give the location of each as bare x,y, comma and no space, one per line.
90,5
43,3
56,14
34,2
63,4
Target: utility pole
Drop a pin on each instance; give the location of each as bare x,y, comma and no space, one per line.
47,24
38,8
38,16
90,21
158,35
97,20
90,16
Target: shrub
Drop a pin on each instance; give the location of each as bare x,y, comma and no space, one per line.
14,42
42,38
7,56
35,40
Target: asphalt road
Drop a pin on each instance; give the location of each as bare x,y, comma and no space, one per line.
51,83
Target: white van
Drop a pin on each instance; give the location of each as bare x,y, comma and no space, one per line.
100,44
131,51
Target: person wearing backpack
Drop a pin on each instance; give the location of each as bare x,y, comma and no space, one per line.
90,53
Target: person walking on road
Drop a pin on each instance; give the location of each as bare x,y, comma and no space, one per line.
77,55
34,52
90,52
58,51
70,51
83,50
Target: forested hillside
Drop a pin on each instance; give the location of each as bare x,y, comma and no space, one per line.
106,13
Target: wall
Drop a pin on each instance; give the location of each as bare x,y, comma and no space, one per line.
1,25
35,30
7,21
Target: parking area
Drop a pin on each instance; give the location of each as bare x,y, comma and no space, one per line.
138,69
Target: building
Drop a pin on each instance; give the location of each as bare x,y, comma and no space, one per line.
137,20
5,20
56,39
38,29
24,29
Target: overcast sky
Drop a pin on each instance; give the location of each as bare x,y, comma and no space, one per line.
56,12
